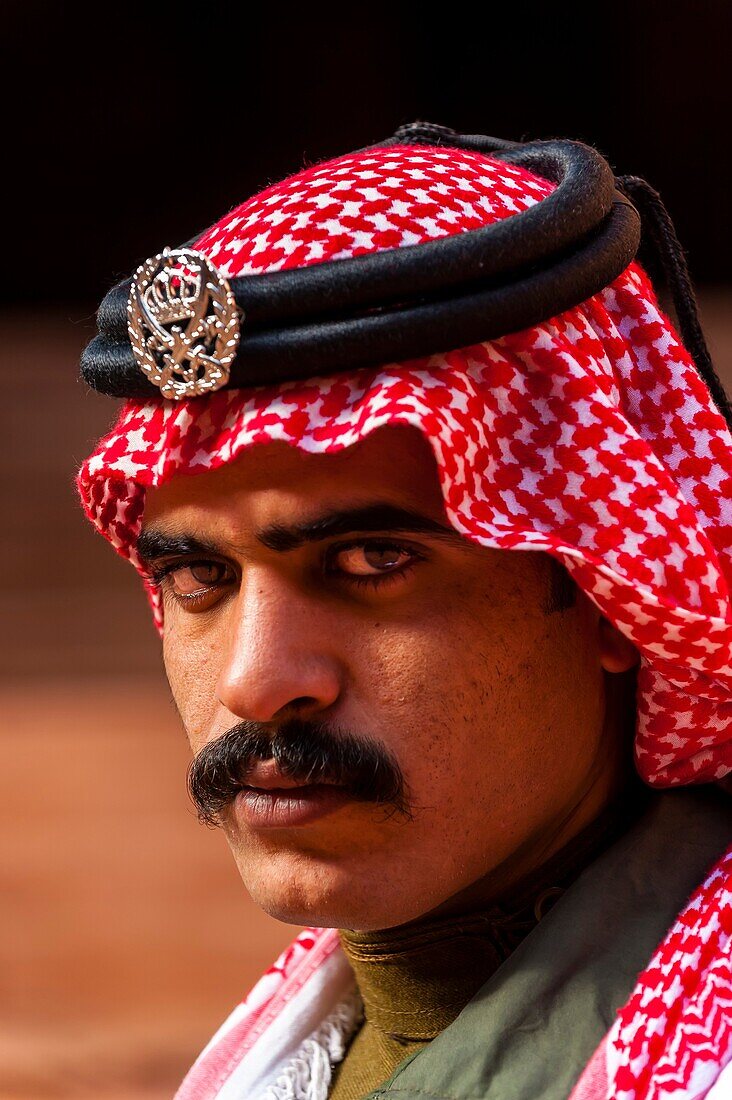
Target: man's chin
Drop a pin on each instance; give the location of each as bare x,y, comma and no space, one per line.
363,903
344,872
328,913
302,890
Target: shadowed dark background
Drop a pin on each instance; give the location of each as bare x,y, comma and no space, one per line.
126,935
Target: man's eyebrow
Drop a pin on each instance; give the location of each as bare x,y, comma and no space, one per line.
372,517
154,544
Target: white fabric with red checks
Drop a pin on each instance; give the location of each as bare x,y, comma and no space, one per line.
589,436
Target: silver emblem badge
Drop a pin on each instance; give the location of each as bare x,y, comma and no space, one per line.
183,323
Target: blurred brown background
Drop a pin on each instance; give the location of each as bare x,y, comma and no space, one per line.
125,933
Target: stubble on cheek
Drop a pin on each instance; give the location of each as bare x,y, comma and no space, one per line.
192,670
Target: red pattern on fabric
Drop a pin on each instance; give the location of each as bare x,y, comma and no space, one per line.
674,1035
367,202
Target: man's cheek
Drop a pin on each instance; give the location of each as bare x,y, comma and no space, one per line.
193,687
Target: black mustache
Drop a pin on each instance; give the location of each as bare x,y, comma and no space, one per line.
308,752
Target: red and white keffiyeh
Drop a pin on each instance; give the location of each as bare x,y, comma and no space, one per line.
590,436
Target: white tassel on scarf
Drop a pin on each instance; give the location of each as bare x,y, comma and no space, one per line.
308,1075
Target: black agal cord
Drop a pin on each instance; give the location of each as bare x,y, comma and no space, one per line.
421,299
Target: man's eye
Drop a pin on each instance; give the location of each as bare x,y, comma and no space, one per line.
371,559
187,580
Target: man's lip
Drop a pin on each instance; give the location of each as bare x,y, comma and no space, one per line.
287,808
265,775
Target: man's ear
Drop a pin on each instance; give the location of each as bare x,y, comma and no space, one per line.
617,653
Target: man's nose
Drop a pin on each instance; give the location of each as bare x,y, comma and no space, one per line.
281,659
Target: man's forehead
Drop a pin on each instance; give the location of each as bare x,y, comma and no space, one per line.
271,482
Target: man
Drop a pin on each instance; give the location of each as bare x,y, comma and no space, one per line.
406,732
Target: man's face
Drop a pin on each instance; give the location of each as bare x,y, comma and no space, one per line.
297,588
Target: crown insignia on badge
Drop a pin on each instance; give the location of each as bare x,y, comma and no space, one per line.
183,323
